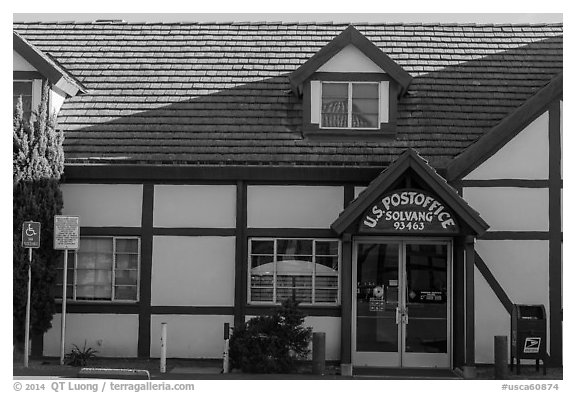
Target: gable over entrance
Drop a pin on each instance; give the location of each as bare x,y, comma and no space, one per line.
431,208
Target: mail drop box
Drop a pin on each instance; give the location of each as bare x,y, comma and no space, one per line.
528,332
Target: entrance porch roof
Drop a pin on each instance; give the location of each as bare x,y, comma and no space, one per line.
410,159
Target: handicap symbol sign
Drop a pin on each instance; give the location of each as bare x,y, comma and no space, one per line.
31,234
30,231
532,345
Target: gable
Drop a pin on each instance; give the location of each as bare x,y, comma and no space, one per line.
409,188
350,59
524,157
350,36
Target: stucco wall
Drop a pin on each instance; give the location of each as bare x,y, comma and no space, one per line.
190,336
350,59
510,208
294,206
193,271
491,319
330,326
521,268
112,335
524,157
201,206
104,205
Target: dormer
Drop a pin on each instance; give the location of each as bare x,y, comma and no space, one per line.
31,67
350,88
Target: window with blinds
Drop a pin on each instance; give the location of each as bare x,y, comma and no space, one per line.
102,269
350,105
305,270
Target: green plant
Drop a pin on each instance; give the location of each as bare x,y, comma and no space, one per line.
271,343
80,357
37,164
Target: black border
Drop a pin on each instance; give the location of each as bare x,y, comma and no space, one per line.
146,242
555,228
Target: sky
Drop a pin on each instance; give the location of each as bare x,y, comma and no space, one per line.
456,11
298,17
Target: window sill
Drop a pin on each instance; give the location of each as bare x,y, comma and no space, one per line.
385,132
119,302
307,305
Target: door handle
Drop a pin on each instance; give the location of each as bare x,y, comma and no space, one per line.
401,316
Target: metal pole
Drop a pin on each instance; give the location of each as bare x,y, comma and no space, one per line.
63,315
27,327
163,337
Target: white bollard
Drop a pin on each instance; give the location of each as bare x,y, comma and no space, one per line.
163,337
226,356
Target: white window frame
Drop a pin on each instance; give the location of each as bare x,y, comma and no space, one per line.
275,260
350,83
113,279
36,93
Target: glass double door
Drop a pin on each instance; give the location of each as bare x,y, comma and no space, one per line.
401,303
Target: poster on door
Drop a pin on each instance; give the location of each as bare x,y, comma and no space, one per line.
408,211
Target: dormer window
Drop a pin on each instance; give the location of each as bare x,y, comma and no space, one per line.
350,89
349,105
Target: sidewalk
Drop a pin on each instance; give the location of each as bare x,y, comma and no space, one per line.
184,369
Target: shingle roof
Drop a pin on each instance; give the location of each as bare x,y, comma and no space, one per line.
211,93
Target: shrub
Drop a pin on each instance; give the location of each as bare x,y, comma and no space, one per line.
271,343
80,357
37,164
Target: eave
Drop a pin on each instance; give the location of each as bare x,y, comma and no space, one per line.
50,69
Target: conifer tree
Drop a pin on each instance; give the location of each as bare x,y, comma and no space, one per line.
38,163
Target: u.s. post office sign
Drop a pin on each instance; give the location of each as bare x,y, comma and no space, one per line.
408,211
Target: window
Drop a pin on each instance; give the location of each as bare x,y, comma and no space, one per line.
102,269
24,89
350,105
305,270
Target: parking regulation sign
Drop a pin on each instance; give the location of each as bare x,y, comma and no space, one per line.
31,234
66,232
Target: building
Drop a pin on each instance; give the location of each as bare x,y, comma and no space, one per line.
402,181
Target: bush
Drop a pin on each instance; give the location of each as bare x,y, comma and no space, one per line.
271,343
80,357
37,164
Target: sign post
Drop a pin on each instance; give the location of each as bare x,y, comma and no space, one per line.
66,237
30,240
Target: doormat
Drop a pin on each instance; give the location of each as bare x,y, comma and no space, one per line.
405,373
